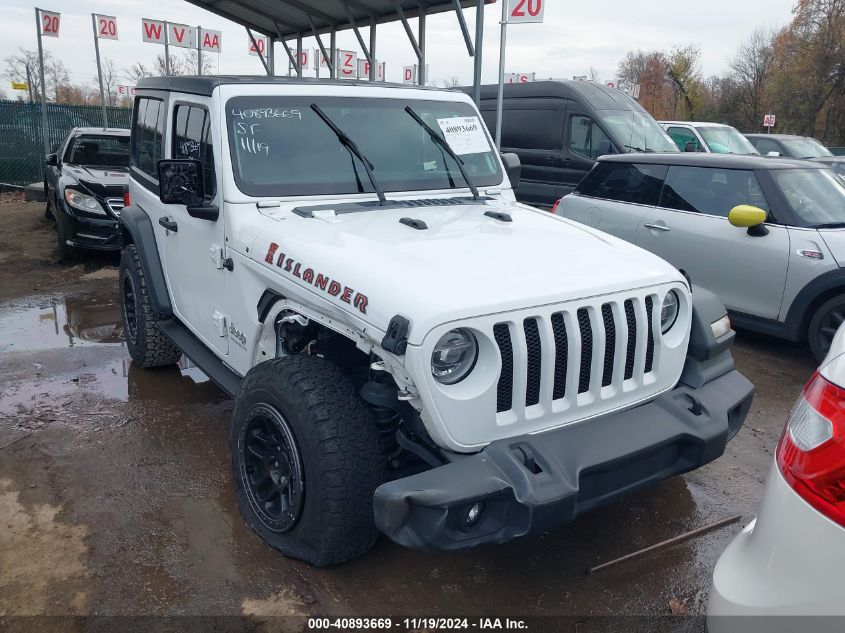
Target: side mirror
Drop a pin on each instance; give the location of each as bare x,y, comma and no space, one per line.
513,167
52,160
690,146
773,154
603,148
750,217
180,182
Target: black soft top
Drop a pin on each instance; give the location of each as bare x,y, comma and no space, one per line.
205,84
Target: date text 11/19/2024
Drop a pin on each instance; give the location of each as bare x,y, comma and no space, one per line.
416,623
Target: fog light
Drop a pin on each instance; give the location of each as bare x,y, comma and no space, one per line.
721,327
474,513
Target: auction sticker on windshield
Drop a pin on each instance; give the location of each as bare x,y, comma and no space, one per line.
465,134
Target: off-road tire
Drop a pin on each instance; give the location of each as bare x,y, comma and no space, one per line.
67,253
339,448
826,320
148,346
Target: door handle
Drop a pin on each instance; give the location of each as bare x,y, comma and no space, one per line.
169,224
657,227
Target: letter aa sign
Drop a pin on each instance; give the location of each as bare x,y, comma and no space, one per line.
522,11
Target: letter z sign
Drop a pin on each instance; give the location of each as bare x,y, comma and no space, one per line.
525,11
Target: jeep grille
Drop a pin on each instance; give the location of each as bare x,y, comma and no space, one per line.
612,343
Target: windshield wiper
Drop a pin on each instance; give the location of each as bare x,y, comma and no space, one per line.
349,144
439,140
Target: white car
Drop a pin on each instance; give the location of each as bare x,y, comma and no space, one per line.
790,560
712,138
350,263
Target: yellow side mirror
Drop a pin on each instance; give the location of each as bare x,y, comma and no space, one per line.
746,216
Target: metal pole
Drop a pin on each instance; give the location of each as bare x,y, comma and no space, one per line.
373,62
299,54
333,51
421,38
499,97
43,88
167,48
99,71
29,82
271,56
479,36
199,50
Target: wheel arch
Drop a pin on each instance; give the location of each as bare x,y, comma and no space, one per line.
137,228
808,300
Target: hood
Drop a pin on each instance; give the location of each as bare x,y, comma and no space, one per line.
462,264
834,239
101,181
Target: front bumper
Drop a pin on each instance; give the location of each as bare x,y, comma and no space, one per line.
101,233
533,483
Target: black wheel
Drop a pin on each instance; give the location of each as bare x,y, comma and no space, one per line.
64,231
307,458
147,345
824,324
48,207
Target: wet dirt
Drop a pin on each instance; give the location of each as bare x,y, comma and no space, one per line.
116,495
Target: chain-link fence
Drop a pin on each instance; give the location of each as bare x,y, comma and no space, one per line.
21,141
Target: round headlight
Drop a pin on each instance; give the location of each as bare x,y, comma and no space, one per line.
669,311
454,356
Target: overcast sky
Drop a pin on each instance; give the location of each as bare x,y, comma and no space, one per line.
574,36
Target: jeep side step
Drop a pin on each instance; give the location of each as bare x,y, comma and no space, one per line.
197,351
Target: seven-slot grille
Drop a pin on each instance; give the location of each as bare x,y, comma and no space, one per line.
584,349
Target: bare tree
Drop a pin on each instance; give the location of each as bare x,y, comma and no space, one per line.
594,75
111,79
23,67
451,82
185,64
750,70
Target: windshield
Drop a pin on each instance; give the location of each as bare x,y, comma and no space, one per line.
726,140
280,147
98,150
637,131
817,196
804,148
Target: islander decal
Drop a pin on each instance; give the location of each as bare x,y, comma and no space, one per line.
318,280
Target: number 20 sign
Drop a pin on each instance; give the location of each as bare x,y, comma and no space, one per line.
525,11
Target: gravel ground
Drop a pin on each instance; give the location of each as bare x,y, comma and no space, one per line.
116,495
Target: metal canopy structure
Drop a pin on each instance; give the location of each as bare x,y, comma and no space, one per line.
286,20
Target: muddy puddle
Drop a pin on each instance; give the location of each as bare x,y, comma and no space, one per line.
60,351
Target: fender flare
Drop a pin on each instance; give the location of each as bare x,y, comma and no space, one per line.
137,228
798,313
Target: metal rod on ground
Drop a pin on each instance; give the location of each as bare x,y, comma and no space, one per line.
672,541
479,37
499,97
43,88
99,71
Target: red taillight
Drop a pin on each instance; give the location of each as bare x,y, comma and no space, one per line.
554,206
126,199
811,453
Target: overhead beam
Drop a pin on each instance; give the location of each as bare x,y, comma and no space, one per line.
325,54
258,50
408,31
354,26
463,24
291,58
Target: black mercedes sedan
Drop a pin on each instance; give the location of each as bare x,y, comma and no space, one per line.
85,182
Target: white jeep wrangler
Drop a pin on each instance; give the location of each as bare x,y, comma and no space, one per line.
410,350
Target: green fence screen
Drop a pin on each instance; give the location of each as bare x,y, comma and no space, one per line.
21,143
